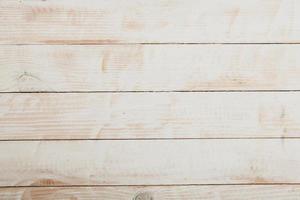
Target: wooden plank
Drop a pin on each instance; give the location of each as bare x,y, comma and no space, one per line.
149,162
149,67
157,21
229,192
149,115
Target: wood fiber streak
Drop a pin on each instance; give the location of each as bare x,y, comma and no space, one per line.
148,162
157,21
149,67
149,115
231,192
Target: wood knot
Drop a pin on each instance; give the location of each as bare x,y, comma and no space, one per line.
27,76
143,196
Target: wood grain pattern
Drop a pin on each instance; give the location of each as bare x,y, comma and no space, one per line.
149,115
143,109
149,162
149,67
231,192
157,21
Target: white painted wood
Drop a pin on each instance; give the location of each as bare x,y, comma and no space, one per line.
97,169
149,67
228,192
149,162
149,115
139,21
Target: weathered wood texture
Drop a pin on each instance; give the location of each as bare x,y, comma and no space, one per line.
149,162
139,21
138,45
149,67
149,115
231,192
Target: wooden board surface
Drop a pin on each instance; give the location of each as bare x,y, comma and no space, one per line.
149,115
157,21
231,192
149,162
148,100
149,67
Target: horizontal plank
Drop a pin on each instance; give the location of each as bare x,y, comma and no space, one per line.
157,21
229,192
149,162
149,67
149,115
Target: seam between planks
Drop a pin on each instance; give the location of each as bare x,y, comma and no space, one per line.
150,185
146,91
155,43
153,139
